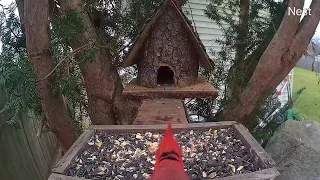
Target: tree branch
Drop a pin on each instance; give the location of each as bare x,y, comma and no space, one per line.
244,12
304,33
307,28
74,52
3,109
282,39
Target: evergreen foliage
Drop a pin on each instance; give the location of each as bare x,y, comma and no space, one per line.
16,74
233,71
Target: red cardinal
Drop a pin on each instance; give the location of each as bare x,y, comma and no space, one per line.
169,164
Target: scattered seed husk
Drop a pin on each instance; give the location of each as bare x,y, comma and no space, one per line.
239,168
233,168
212,175
204,174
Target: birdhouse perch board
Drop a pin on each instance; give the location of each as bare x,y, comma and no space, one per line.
201,89
221,150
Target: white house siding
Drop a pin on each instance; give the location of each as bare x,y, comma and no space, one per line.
207,29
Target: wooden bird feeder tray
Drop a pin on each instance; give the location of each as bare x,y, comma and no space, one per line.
260,159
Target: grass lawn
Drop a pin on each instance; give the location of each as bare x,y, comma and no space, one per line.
308,103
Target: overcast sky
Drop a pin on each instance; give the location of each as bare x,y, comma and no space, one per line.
307,4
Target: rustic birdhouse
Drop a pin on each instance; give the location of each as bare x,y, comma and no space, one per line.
168,53
167,50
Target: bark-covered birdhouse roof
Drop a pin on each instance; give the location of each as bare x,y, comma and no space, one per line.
133,54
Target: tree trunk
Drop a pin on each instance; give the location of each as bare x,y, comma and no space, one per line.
244,20
283,52
235,82
102,82
37,32
244,67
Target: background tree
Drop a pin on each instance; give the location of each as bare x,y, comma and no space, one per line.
281,55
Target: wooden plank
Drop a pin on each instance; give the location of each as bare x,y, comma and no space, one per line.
51,150
40,142
28,145
262,158
47,148
52,141
161,111
26,160
55,176
78,146
18,156
56,152
12,154
160,127
201,89
35,147
258,175
51,145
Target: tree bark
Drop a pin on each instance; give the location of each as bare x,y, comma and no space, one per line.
38,39
102,82
247,65
283,52
244,12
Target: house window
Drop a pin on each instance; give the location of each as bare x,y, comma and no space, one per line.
165,76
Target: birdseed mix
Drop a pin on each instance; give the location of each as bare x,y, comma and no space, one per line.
207,154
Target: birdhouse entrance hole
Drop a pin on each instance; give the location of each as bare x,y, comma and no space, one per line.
165,76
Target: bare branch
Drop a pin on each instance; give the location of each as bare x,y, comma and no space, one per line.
64,59
53,70
3,109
